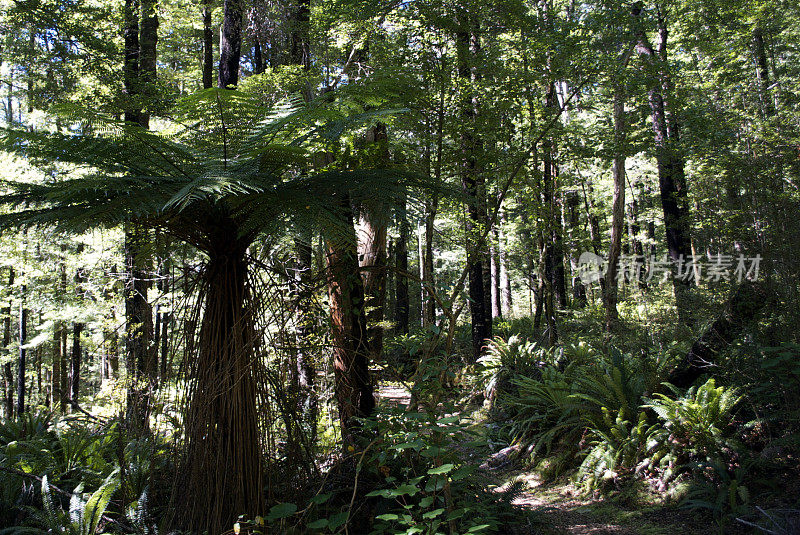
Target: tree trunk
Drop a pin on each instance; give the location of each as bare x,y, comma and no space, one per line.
506,303
57,356
495,275
373,225
617,209
468,45
75,365
299,41
348,321
401,311
230,44
670,163
23,339
8,373
305,371
140,355
148,39
208,47
222,471
429,309
578,288
130,67
139,77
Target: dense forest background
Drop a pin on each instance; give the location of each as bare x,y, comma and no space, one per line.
361,266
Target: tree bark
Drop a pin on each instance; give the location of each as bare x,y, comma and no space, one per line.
23,339
468,45
208,47
617,208
401,311
8,373
57,356
373,227
348,321
130,67
75,365
428,276
139,77
230,44
148,39
670,163
494,258
140,355
506,301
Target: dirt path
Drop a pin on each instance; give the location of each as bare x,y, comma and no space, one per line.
560,508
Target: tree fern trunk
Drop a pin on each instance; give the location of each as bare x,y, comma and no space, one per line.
222,471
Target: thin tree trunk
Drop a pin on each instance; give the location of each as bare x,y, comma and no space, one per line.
139,77
617,209
148,39
8,373
495,275
23,339
299,54
130,68
762,70
578,288
428,275
208,47
401,312
140,355
57,356
75,365
506,300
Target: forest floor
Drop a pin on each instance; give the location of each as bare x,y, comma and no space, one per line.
560,508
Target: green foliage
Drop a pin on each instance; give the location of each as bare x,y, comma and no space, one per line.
72,457
698,425
420,481
554,407
616,448
719,489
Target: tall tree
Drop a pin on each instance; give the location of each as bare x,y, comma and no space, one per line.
467,47
669,159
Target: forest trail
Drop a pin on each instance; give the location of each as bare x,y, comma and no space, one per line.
560,508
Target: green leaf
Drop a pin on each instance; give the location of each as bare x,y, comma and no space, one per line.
411,490
319,524
282,510
445,468
388,517
337,520
321,498
433,514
